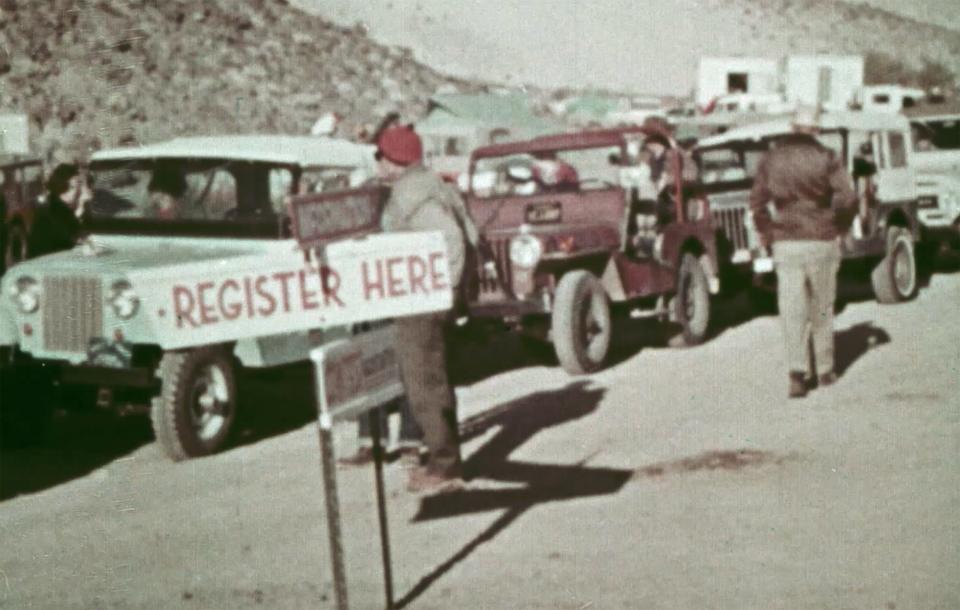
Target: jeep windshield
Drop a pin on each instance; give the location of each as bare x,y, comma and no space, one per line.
581,169
940,134
199,197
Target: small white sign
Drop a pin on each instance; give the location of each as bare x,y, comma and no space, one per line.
357,374
377,277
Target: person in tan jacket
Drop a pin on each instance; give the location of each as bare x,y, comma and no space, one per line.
813,206
421,201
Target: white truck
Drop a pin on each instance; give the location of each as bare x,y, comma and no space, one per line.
164,308
936,142
877,152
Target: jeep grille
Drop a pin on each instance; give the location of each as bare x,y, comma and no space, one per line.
72,313
500,250
733,222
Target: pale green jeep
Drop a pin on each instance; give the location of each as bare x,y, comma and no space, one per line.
190,271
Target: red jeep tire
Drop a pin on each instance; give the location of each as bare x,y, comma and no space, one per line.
195,410
692,301
581,323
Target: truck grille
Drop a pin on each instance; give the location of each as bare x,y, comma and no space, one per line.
733,223
72,313
499,249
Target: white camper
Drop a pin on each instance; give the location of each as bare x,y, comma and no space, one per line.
831,81
721,76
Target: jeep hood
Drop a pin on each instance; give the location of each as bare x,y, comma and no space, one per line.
937,162
119,255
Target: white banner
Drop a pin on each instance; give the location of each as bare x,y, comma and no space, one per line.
376,277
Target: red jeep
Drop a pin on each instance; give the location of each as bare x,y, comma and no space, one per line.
573,224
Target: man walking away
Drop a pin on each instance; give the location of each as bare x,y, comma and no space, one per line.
814,205
421,201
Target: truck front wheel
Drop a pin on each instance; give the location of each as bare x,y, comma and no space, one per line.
895,278
196,407
581,323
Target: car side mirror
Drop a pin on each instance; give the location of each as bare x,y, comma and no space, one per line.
863,168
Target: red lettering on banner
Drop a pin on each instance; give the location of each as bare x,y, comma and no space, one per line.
436,276
266,296
417,269
394,283
284,277
330,281
248,291
183,311
232,310
306,295
206,309
369,286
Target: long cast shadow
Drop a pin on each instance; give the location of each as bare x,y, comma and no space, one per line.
852,343
518,421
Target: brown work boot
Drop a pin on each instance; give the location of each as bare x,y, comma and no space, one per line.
798,385
424,480
827,379
362,457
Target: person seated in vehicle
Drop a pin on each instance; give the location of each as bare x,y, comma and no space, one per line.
553,173
166,192
57,225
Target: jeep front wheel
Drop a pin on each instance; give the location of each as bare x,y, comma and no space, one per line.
692,301
894,280
196,407
581,323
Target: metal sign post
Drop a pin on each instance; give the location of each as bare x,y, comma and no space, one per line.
377,277
355,377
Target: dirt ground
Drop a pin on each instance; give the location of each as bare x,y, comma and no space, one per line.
677,478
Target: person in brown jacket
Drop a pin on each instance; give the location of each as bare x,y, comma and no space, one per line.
813,206
421,201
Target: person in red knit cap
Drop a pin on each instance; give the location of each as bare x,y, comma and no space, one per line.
421,201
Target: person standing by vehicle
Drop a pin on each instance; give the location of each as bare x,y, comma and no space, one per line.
57,225
421,201
814,205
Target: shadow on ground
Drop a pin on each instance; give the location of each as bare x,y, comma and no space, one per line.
517,422
852,343
537,483
78,442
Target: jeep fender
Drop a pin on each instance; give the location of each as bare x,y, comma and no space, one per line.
8,329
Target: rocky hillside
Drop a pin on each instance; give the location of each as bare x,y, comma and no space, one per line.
95,73
650,46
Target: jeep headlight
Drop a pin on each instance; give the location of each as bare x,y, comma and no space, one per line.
123,300
525,251
25,293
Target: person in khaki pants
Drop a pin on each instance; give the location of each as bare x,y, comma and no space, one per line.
421,201
814,205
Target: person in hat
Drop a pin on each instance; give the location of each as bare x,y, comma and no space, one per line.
57,224
813,206
421,201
